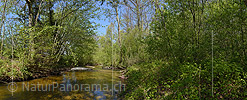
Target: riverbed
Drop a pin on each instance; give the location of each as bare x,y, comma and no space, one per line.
96,84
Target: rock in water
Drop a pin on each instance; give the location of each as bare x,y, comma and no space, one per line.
90,66
80,68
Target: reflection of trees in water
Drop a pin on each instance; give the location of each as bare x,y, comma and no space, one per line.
74,77
96,81
68,79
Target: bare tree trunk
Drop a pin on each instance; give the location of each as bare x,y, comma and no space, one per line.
138,15
2,25
119,35
30,12
2,39
30,24
37,16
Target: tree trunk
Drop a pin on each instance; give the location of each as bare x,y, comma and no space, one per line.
30,24
119,35
2,25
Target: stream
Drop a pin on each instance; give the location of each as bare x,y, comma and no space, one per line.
97,84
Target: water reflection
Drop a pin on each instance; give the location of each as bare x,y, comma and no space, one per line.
99,83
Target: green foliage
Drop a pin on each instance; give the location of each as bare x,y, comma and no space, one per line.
133,48
181,41
144,80
51,36
160,80
167,57
106,48
15,69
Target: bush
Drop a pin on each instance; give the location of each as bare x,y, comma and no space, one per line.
17,70
144,80
165,80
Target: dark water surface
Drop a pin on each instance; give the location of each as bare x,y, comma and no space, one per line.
84,85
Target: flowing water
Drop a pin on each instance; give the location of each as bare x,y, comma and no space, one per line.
84,85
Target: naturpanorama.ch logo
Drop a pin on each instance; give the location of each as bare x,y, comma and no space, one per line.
12,87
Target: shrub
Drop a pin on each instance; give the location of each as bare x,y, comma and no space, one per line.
17,70
165,80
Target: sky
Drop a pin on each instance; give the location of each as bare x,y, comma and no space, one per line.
101,30
103,21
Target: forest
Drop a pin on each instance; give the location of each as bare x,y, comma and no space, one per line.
168,49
